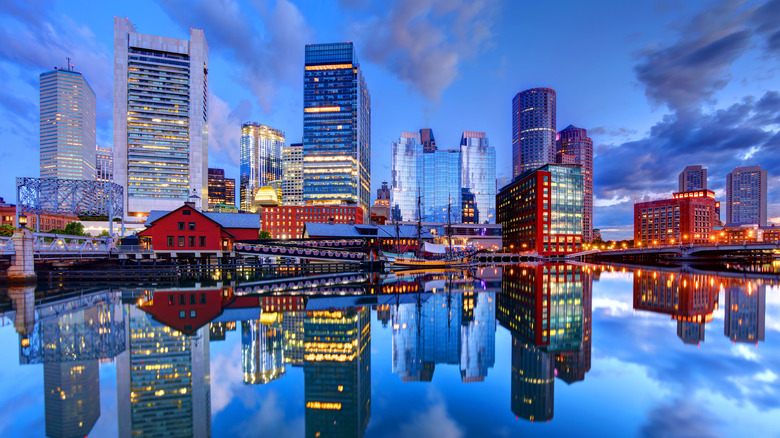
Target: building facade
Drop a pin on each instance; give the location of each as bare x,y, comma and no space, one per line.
67,125
292,174
746,190
160,118
104,164
222,191
533,129
692,178
468,209
336,127
441,187
575,146
745,313
541,210
261,160
689,217
427,140
407,172
478,174
286,222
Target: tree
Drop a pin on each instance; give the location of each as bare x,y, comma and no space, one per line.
103,233
263,234
6,230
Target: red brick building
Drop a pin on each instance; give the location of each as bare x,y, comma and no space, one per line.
48,221
286,222
188,230
687,217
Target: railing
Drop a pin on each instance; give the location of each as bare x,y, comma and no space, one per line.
47,242
135,248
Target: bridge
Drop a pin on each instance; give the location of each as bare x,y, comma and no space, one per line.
48,245
336,251
683,251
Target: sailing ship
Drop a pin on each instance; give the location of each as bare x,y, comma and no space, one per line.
406,261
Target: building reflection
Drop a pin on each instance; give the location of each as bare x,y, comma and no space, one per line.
547,308
70,335
337,372
690,299
163,379
262,357
744,313
218,330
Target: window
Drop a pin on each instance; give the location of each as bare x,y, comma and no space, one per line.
171,300
181,225
182,314
186,212
182,300
202,241
192,299
181,241
193,313
203,298
170,241
192,241
192,225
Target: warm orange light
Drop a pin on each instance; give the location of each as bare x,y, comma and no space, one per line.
322,109
328,67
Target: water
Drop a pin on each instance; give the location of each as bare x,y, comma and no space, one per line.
544,350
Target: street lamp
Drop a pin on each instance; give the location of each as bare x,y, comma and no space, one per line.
23,221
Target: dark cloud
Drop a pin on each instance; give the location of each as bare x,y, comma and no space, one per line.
266,43
767,22
680,419
612,132
425,42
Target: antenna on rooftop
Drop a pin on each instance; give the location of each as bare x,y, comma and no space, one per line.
69,67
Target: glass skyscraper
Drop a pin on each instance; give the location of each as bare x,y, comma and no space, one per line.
261,160
575,142
478,174
533,129
160,118
746,196
104,164
336,127
67,120
441,186
407,174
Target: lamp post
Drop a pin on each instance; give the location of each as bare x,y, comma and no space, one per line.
23,221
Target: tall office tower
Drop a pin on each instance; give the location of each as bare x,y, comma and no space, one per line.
574,142
441,186
262,358
261,160
383,195
746,196
745,313
407,173
160,118
163,379
104,164
221,190
292,328
336,128
292,174
71,397
428,142
692,178
533,129
478,173
67,118
478,337
533,381
337,372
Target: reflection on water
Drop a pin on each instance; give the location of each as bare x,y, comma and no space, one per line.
160,339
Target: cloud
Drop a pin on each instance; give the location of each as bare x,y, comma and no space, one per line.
425,42
680,419
225,381
767,21
264,43
269,417
224,129
434,421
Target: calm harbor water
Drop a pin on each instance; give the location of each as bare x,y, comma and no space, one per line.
527,349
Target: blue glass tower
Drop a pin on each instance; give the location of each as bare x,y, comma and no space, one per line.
407,174
336,128
478,174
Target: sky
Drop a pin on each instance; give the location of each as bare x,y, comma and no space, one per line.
658,84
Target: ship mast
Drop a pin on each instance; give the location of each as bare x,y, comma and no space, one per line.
419,224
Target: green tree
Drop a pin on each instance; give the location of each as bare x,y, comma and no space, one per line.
6,230
103,233
72,229
263,234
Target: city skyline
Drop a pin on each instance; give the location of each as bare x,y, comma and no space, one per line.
642,108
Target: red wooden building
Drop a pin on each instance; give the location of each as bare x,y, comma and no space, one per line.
186,310
188,230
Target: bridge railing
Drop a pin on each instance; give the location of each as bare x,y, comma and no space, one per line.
48,242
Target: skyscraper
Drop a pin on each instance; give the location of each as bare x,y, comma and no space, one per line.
262,359
67,118
692,178
261,160
292,174
221,190
160,118
104,164
428,142
746,196
336,127
478,173
574,142
407,173
745,313
533,129
441,186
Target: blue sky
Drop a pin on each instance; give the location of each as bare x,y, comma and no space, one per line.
659,84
